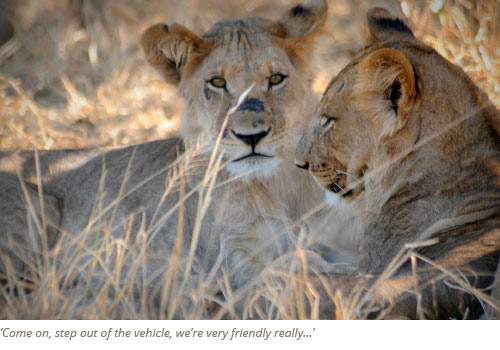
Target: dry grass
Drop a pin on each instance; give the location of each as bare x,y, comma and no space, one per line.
73,76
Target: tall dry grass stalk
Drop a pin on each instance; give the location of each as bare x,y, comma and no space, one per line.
73,76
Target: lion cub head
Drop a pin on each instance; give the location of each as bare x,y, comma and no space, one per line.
398,110
245,82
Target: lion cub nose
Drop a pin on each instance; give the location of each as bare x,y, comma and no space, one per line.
252,105
251,139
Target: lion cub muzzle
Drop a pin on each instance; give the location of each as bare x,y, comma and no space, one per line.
250,125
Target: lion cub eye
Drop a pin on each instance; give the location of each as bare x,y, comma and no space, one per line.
327,120
276,79
218,82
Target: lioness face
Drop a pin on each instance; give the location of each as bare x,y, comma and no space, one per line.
245,84
362,121
337,143
264,127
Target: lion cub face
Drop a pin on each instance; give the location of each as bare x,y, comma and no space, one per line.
245,83
254,136
368,116
339,142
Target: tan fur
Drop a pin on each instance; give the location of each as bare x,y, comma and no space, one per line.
414,147
159,201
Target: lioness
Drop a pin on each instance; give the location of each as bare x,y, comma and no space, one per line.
413,145
210,206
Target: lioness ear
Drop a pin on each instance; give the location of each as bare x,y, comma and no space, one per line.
386,88
385,27
173,50
303,19
297,29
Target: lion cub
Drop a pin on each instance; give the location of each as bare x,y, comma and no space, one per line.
413,145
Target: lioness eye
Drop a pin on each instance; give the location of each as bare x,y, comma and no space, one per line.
218,82
276,79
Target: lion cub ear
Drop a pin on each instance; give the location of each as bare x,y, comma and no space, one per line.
386,88
303,19
383,26
297,30
173,50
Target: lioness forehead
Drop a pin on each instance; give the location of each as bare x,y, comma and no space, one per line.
248,31
244,45
411,49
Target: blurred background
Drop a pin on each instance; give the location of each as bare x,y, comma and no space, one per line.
73,75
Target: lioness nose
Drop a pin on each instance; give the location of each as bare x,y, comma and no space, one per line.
251,139
252,105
